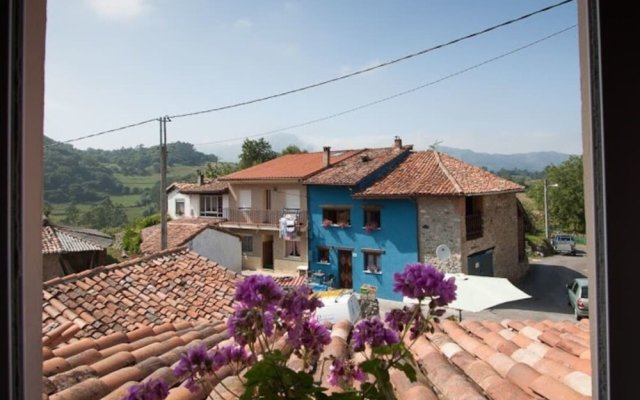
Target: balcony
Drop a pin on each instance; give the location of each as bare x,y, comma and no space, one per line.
254,217
474,226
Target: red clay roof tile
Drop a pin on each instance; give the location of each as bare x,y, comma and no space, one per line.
291,166
430,173
211,186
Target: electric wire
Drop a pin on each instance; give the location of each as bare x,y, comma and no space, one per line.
391,97
384,64
352,74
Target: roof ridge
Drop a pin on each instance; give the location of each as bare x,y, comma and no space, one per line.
447,173
95,271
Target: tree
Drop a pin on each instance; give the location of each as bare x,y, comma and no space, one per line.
292,149
565,195
219,169
256,152
46,209
105,215
72,214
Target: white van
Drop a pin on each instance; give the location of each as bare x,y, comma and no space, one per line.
564,243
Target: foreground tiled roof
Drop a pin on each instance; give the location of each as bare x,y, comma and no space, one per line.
353,169
208,186
290,166
170,286
63,240
105,368
467,360
179,232
431,173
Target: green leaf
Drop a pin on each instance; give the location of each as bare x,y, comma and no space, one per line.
408,370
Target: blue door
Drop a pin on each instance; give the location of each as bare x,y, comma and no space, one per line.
480,263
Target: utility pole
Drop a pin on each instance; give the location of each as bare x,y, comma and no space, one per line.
546,211
163,181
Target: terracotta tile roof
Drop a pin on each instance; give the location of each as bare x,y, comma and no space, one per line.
208,186
430,173
290,281
179,232
170,286
352,170
56,239
467,360
290,166
105,368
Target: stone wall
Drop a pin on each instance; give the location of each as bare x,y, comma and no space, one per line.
440,222
500,232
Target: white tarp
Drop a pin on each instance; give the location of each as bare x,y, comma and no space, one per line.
477,293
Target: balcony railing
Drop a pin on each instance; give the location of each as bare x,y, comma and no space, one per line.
251,216
474,226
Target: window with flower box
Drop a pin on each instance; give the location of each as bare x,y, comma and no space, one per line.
323,255
372,261
372,220
336,216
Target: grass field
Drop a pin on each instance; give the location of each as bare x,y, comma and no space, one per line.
147,181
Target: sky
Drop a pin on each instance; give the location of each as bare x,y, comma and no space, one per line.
111,63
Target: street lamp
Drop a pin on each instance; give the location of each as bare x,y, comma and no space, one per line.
546,210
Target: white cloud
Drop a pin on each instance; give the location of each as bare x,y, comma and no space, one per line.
122,10
243,23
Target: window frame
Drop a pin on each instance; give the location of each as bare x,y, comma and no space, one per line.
377,254
321,250
203,205
244,240
331,214
296,247
367,213
183,202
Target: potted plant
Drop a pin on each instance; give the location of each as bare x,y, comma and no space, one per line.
327,222
373,269
370,226
342,224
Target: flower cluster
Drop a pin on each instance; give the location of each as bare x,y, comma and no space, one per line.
153,389
327,222
264,313
420,281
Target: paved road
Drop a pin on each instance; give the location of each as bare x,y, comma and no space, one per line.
545,283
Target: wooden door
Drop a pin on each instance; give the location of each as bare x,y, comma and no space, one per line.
345,269
267,254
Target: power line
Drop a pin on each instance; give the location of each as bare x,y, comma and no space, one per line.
385,64
104,132
444,78
352,74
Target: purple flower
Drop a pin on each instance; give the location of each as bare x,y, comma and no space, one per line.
231,355
246,324
196,363
153,389
343,373
397,319
298,302
313,336
372,332
423,280
258,291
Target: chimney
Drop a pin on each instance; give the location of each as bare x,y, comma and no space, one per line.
200,179
397,142
326,156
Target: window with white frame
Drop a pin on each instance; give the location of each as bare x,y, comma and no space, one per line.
292,198
372,261
244,199
247,244
292,248
210,206
179,207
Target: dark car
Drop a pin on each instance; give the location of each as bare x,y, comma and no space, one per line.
578,297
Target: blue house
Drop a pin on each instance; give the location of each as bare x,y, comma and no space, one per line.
353,242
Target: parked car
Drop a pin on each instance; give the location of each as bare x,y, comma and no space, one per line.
578,297
564,243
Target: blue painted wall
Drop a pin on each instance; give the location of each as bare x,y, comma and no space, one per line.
397,237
